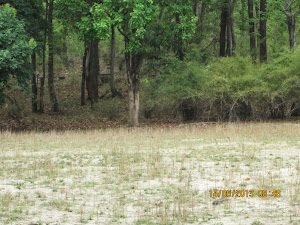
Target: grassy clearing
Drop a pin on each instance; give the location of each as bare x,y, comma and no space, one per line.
151,175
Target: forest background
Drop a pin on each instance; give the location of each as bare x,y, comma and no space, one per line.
78,64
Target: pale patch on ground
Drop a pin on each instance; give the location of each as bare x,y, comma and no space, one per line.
151,176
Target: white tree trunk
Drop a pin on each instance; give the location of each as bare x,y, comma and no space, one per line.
134,105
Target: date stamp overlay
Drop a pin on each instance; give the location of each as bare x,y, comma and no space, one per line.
244,193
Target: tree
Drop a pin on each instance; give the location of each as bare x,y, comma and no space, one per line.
30,12
45,35
83,76
263,31
34,89
231,44
51,89
141,22
15,50
93,57
113,89
179,48
291,21
200,15
223,26
252,29
76,14
199,9
93,71
227,36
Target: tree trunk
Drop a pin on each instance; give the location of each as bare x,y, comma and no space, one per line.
202,16
200,20
34,91
291,22
196,11
112,61
263,31
233,35
42,87
223,26
229,50
244,20
133,67
93,72
230,28
44,62
83,76
257,15
53,99
227,29
134,103
179,41
252,29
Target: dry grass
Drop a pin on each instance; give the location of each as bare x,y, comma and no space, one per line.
151,176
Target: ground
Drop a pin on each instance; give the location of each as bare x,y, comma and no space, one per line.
151,175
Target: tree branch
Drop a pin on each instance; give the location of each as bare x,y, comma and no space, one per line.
121,32
154,37
286,13
160,14
214,40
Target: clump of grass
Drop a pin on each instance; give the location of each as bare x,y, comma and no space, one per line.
110,109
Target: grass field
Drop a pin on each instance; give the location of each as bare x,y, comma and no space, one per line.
151,175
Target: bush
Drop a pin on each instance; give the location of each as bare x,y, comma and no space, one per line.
282,79
226,89
173,90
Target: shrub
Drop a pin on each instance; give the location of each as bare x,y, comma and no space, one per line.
173,90
226,89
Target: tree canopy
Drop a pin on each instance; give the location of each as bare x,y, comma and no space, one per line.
15,49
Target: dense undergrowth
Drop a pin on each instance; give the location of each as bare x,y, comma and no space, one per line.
225,89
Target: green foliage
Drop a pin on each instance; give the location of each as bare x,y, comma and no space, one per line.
15,50
76,15
282,80
138,21
71,10
228,87
176,82
30,13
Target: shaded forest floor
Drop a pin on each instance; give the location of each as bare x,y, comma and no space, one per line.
71,115
108,112
151,175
